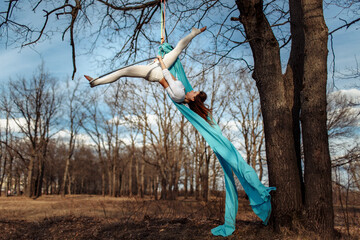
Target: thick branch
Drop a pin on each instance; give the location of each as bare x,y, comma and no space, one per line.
127,8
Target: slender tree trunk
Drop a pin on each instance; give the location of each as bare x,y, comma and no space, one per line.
142,182
186,179
66,172
318,185
163,189
137,176
18,176
103,183
192,175
155,188
131,167
214,172
197,178
110,178
180,158
10,175
69,183
120,183
40,177
113,191
30,182
206,178
3,174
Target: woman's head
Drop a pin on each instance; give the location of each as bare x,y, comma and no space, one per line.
196,103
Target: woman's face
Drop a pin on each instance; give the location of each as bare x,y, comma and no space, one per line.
191,95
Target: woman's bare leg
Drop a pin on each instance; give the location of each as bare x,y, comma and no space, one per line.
170,58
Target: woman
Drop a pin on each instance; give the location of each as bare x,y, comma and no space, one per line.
157,72
176,90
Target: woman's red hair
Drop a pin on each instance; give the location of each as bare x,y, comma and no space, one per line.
200,108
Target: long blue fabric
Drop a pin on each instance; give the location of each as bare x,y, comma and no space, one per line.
230,160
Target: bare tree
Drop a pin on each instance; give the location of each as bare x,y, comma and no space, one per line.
5,137
74,102
35,107
246,113
343,120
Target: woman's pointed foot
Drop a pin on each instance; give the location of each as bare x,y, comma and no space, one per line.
88,78
197,31
91,80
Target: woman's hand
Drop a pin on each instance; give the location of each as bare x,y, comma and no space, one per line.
161,62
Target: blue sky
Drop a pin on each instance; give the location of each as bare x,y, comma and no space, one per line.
19,62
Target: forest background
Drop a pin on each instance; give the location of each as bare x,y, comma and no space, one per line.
127,139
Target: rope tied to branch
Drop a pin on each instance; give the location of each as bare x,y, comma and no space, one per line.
162,20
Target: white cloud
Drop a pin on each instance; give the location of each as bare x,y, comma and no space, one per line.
128,119
352,94
64,135
13,124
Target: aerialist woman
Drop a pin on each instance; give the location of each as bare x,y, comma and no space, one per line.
202,119
157,72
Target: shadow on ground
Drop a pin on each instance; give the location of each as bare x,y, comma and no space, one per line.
93,228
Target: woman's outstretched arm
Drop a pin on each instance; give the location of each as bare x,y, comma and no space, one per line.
170,58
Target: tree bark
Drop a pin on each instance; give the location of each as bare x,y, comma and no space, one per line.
277,114
294,79
318,193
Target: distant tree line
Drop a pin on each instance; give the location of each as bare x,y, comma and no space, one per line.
65,138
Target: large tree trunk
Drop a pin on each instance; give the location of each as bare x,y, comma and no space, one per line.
277,114
318,193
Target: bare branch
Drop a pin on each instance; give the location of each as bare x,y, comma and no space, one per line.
127,8
347,25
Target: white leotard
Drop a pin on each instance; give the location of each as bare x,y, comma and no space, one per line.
176,89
